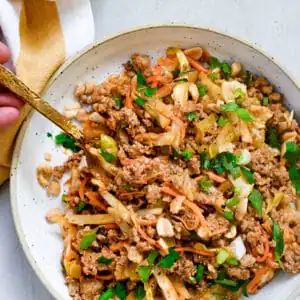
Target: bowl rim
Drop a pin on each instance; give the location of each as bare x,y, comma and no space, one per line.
70,61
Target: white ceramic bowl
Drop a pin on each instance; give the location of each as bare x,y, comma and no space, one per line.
41,242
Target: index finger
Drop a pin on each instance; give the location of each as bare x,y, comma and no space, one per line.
4,53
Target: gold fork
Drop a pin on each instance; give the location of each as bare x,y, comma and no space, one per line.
18,87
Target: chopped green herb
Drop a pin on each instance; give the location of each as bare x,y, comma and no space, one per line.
49,135
237,190
140,79
232,261
204,184
225,67
229,107
81,206
152,257
168,260
118,101
222,256
249,78
214,63
108,294
294,175
128,187
187,154
222,121
88,239
272,138
176,73
192,279
104,260
292,153
67,142
64,198
236,172
239,95
244,115
241,112
108,156
256,200
278,238
265,101
120,291
149,92
200,272
202,89
233,201
204,161
228,162
139,292
226,282
213,76
175,153
248,174
140,101
228,214
144,273
191,116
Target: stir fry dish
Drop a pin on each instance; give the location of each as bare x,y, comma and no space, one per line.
186,186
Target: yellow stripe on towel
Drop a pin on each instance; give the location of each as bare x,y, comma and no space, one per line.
42,52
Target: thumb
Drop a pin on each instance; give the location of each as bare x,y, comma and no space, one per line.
4,53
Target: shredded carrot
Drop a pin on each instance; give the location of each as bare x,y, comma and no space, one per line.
205,56
266,247
192,250
188,227
135,193
128,101
164,91
68,181
82,187
197,65
117,246
112,226
266,225
94,200
196,210
266,253
213,176
254,283
156,70
169,191
144,222
104,277
271,261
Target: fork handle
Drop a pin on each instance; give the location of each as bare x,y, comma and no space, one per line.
18,87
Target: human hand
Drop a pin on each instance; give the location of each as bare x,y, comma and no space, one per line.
10,104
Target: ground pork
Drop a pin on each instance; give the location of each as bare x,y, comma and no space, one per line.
281,118
137,149
103,104
264,162
248,261
141,62
252,234
120,266
143,247
184,268
291,258
217,225
238,273
153,194
130,122
90,266
194,165
90,289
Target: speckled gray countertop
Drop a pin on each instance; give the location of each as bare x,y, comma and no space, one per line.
272,25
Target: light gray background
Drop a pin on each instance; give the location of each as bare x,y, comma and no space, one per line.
272,25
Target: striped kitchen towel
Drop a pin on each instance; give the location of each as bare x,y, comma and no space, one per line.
41,34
